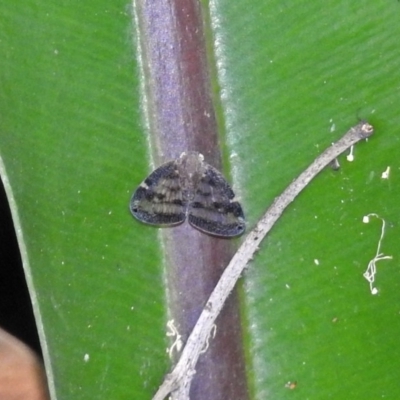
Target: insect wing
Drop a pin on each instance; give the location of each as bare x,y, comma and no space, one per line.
159,199
213,209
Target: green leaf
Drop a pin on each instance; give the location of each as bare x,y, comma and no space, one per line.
73,150
295,76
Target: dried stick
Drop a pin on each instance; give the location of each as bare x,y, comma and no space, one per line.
177,383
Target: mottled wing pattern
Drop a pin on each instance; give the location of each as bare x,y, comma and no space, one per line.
159,199
213,209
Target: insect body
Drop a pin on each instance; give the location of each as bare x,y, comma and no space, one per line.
189,188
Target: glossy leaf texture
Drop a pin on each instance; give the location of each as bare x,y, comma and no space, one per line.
294,77
289,79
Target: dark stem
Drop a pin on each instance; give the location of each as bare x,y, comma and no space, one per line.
181,117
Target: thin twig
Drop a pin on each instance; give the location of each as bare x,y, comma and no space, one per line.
177,383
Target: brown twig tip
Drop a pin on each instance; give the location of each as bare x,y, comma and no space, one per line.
365,129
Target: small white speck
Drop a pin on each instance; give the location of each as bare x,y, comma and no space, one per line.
287,286
316,262
110,212
86,357
333,127
350,156
385,174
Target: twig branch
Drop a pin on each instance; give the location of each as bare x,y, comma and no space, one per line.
177,383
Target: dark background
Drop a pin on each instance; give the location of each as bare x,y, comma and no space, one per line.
16,314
